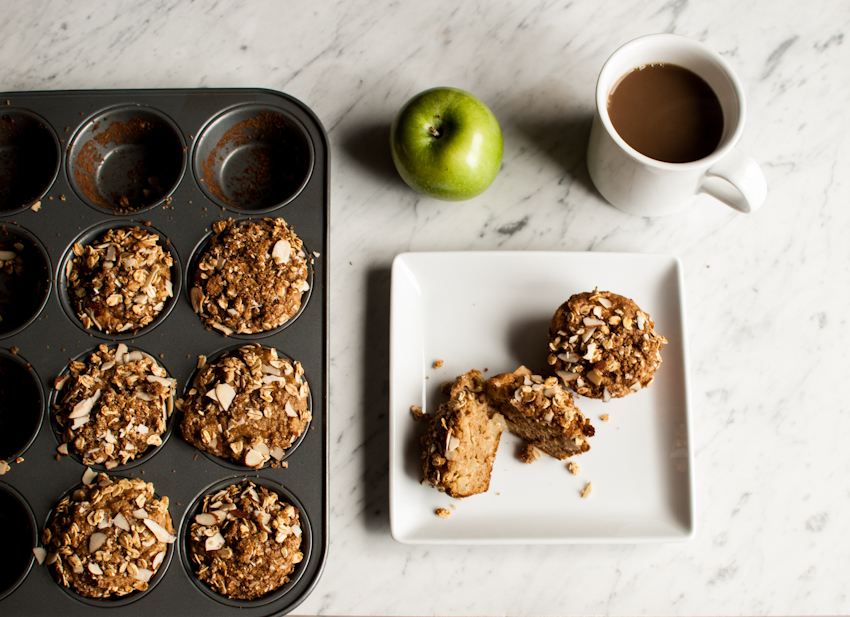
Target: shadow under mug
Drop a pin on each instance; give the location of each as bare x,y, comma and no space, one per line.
638,184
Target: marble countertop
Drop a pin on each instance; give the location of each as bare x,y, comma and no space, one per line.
767,293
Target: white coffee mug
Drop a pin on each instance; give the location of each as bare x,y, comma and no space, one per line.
638,184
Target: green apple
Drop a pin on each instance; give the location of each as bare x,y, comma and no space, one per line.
446,144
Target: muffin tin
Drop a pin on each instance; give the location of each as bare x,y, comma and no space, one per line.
73,164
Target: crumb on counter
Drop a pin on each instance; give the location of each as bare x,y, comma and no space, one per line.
587,490
443,513
605,417
573,467
438,364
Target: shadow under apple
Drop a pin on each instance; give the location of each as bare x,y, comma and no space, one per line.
369,146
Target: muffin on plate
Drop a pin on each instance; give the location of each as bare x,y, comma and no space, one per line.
602,345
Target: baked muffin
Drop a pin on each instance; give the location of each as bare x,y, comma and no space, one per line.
459,446
251,278
603,345
541,412
249,406
114,406
120,282
245,542
109,537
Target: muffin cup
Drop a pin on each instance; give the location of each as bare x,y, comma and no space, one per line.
29,159
126,159
145,457
92,235
16,517
22,294
21,406
116,601
192,267
226,462
253,157
196,507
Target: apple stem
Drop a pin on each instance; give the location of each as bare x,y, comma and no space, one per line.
434,132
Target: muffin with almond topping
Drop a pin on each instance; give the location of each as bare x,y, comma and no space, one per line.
109,537
540,411
251,278
250,406
111,408
603,345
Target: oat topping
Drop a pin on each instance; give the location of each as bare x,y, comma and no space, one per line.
251,278
113,407
246,541
108,538
249,406
443,513
121,282
603,346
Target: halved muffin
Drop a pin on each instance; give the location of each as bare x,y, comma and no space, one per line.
459,446
540,411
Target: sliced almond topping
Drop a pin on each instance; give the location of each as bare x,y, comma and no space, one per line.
121,522
281,252
253,459
225,394
85,406
159,531
95,569
277,452
157,560
140,514
40,554
89,476
197,298
214,543
144,575
587,490
205,519
96,540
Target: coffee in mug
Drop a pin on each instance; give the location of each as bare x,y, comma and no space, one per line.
666,112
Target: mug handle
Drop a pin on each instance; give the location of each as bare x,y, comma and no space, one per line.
737,181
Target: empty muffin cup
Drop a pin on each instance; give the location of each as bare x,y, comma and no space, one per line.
21,406
29,159
17,519
253,157
25,279
251,538
126,159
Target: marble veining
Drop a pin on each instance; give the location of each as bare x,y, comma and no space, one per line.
766,293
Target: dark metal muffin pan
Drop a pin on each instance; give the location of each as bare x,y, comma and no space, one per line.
75,163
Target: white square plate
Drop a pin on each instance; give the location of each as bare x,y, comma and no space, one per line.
491,311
